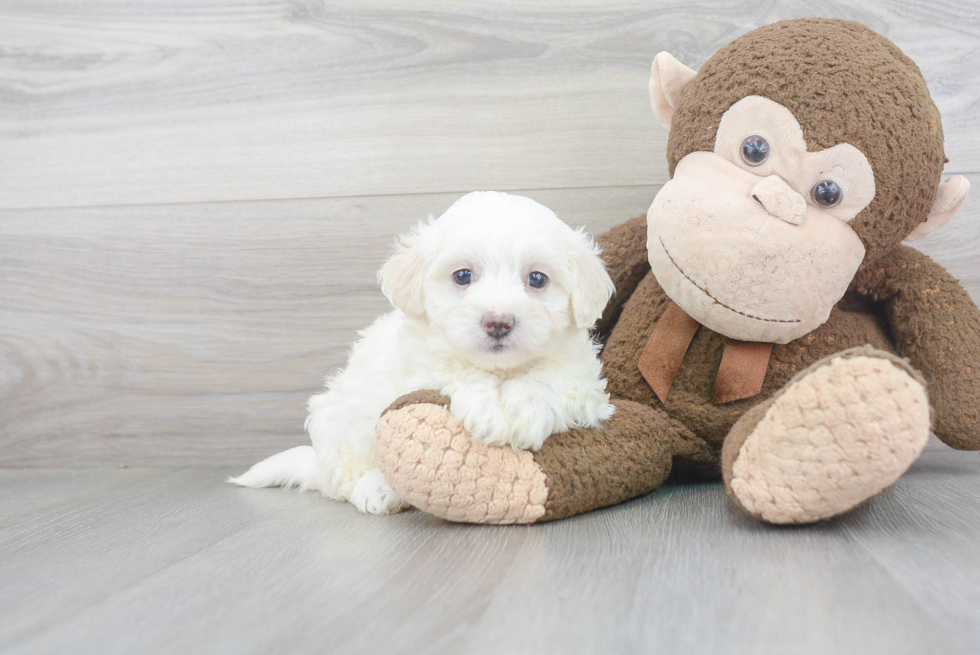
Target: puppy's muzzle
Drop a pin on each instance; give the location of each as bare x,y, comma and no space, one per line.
498,326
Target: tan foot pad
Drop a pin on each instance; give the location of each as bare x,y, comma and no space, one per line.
430,460
838,435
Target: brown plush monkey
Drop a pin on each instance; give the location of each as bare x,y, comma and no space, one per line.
768,325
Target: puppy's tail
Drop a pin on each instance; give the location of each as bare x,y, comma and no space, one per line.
296,467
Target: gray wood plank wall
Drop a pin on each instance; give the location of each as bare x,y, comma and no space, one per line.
194,195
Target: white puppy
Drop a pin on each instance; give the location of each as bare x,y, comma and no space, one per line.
494,304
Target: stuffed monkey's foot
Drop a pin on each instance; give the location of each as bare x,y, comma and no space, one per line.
432,462
838,434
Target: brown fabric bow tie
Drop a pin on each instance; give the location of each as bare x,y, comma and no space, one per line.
743,364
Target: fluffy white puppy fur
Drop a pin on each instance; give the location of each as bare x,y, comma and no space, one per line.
494,301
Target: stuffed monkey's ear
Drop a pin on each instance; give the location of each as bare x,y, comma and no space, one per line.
668,77
949,198
403,275
591,285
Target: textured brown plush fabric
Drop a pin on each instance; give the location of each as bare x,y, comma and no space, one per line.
624,249
852,323
743,368
416,397
736,437
934,323
630,456
852,85
430,459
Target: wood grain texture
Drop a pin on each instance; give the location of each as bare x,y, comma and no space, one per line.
195,333
175,561
183,333
926,539
108,102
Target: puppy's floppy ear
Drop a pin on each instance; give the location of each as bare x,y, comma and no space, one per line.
403,275
591,285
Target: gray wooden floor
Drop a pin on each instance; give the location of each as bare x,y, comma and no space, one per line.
194,197
147,560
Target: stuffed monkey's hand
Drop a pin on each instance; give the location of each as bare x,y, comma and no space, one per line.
936,325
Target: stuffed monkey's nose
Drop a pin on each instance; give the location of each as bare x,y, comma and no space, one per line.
780,200
498,325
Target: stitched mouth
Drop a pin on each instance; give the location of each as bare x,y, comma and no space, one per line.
718,302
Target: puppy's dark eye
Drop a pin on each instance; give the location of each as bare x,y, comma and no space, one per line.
755,150
827,193
463,276
537,280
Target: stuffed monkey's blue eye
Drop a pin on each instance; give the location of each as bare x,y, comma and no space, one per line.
755,150
537,280
826,193
463,277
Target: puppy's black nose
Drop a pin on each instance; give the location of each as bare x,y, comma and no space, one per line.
498,325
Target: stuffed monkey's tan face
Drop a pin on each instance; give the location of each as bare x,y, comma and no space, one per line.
748,248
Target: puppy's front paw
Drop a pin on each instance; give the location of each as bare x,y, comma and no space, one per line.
372,495
481,415
529,422
604,412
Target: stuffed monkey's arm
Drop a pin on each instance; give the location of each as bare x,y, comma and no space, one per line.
936,325
624,249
